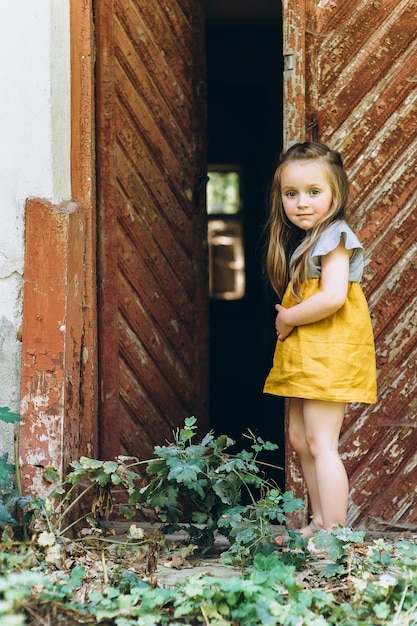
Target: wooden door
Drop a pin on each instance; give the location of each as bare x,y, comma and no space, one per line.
355,66
153,283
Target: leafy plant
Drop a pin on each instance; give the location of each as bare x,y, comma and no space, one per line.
98,477
204,485
249,527
340,547
12,502
265,593
6,415
90,578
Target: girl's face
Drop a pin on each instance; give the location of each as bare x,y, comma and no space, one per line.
305,192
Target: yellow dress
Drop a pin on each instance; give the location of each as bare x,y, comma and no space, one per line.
333,359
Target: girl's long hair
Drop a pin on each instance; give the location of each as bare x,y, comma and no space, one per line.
284,237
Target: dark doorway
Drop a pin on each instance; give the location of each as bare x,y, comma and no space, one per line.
244,79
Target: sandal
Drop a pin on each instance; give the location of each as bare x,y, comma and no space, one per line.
313,528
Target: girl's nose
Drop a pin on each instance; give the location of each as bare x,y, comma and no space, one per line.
302,200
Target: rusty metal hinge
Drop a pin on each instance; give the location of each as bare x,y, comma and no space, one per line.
313,127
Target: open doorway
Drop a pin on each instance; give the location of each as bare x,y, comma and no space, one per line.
244,132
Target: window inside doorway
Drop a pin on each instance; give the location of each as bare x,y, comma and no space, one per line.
223,192
225,234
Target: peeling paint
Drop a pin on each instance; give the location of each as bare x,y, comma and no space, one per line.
50,300
359,66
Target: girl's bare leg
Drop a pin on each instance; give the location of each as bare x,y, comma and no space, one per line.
298,439
322,423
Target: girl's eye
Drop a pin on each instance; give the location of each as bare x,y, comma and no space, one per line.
290,194
314,192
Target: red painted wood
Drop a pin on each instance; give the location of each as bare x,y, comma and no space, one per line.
361,91
59,357
51,431
153,301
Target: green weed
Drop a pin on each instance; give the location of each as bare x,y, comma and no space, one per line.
64,569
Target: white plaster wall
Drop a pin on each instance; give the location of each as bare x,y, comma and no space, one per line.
34,155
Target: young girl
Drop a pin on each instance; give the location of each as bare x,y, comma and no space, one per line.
325,353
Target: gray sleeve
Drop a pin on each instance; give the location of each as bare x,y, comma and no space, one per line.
328,241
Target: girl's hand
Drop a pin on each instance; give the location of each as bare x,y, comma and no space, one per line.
331,297
283,329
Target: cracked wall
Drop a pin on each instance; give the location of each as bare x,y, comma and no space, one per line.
34,156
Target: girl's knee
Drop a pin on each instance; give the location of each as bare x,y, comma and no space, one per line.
298,442
321,447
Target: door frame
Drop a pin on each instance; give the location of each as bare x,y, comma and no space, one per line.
59,384
71,399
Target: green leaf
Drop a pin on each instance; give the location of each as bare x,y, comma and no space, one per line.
207,439
184,472
95,596
101,478
77,575
50,474
331,570
110,467
227,494
127,512
136,495
244,535
290,503
6,415
268,445
191,422
244,455
386,559
349,535
7,470
327,542
13,498
157,467
222,442
186,434
195,451
87,463
382,610
115,479
163,497
199,517
5,516
406,551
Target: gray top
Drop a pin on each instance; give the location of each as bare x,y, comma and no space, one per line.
328,241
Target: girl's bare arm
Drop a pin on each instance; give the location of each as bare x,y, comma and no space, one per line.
334,285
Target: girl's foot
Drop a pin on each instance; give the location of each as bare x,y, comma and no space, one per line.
307,533
311,547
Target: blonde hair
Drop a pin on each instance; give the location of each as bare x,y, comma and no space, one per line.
283,236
